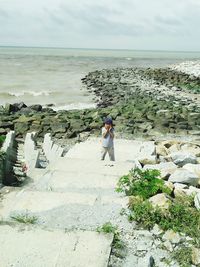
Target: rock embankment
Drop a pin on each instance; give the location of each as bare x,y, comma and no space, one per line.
141,101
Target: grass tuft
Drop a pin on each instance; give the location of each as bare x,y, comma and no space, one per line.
25,218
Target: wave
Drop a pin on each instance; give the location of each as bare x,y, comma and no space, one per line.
28,93
74,106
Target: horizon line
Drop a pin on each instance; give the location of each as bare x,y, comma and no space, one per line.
104,49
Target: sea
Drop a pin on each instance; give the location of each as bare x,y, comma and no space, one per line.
53,75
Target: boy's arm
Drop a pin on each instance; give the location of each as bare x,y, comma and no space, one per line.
104,132
111,132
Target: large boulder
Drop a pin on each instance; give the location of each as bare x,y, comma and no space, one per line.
182,158
185,177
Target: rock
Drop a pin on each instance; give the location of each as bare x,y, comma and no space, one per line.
172,237
19,106
184,176
174,148
180,186
197,201
160,200
7,124
195,256
156,230
36,107
161,150
168,245
193,168
192,190
59,127
166,168
8,108
21,128
148,160
180,158
169,185
191,148
178,192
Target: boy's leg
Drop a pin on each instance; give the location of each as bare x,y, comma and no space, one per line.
104,151
111,153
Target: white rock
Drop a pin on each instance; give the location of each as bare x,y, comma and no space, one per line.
192,190
148,160
191,148
168,245
156,230
180,186
197,201
184,176
160,200
193,168
165,168
172,237
182,158
195,256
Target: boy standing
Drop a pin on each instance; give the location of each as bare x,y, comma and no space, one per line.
107,140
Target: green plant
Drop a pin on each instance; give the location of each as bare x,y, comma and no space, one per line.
181,216
25,218
109,228
143,183
183,255
145,214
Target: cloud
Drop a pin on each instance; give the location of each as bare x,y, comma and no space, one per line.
123,23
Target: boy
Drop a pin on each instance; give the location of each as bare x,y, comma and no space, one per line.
107,140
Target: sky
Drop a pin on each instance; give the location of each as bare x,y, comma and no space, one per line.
107,24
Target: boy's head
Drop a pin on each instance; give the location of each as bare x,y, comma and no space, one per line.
108,123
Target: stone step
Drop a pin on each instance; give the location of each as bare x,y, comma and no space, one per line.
25,246
124,149
62,210
92,166
63,181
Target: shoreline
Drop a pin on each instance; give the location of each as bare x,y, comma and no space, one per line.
142,102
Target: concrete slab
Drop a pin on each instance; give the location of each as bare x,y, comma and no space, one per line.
94,166
40,202
64,181
124,149
38,247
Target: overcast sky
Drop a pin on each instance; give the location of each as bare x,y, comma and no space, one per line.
123,24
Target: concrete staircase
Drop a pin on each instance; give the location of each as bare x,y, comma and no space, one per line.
70,199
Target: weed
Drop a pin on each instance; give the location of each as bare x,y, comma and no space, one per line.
109,228
181,216
183,255
25,218
143,183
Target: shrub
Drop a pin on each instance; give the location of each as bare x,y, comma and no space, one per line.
143,183
181,216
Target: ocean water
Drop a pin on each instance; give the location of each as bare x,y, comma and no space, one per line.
53,75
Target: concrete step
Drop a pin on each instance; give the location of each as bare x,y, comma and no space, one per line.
63,210
31,247
63,181
92,166
124,149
